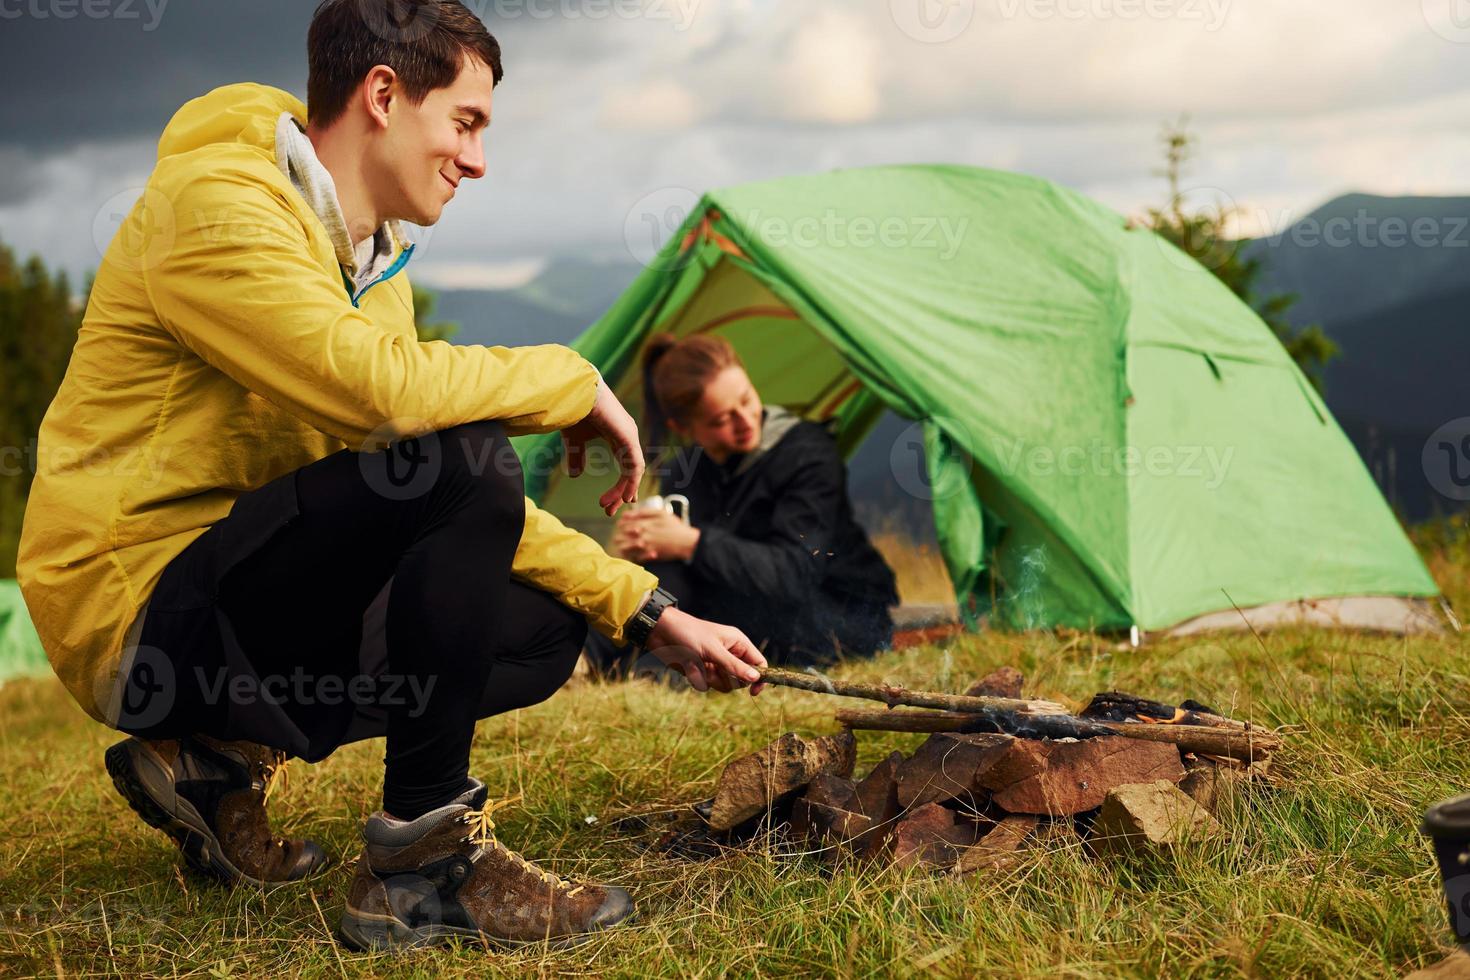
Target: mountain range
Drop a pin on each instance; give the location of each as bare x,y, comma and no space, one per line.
1388,279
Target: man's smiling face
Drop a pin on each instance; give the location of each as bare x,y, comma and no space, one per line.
429,148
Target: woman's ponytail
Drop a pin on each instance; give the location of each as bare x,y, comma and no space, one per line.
654,425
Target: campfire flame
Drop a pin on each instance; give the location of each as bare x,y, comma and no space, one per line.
1181,717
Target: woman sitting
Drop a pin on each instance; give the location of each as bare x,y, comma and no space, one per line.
771,545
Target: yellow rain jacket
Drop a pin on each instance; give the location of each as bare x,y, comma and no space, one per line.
221,348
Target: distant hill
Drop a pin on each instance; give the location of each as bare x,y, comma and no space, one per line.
1389,280
1404,372
503,317
578,286
1359,254
561,302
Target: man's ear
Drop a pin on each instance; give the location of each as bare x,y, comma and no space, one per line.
379,89
676,428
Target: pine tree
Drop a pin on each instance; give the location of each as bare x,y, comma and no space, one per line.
39,320
423,308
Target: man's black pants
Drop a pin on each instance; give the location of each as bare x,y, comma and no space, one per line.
362,595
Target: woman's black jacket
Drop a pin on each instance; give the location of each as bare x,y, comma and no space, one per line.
777,531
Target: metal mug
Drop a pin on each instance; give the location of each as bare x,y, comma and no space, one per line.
675,503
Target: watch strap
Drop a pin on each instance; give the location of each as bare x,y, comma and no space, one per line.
640,627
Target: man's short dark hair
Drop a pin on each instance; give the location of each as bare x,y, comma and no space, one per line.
425,41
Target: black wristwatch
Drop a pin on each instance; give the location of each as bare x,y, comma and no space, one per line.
640,627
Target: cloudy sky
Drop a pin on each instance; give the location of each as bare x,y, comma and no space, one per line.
615,110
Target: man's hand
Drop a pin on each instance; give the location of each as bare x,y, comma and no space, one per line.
711,656
654,535
608,420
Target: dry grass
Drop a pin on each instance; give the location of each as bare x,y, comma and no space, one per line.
1324,875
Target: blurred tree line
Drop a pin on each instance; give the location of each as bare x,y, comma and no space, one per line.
38,327
39,319
1204,235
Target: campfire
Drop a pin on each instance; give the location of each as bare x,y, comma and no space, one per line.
996,772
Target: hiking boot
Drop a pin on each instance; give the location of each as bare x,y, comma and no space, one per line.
210,797
444,874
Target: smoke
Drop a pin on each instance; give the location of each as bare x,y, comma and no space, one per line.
1028,598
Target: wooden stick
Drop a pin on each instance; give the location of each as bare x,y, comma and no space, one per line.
1003,722
1248,746
908,721
891,696
1234,744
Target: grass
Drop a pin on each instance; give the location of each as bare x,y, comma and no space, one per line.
1324,873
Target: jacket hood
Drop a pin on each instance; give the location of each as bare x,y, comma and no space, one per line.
250,114
245,112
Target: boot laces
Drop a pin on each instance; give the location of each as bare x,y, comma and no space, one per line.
482,833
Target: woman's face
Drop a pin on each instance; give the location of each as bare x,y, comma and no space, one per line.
727,419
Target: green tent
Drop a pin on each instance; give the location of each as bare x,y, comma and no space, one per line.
1112,438
20,647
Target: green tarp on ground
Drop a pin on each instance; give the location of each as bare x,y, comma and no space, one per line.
1113,438
20,648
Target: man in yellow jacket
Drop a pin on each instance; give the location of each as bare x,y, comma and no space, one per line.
271,521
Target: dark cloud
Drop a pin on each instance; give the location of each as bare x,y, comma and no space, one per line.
89,77
19,175
83,70
86,98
